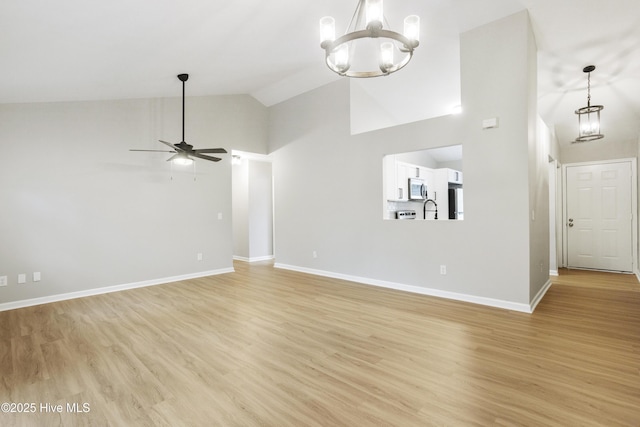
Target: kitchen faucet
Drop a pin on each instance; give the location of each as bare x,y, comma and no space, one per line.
424,208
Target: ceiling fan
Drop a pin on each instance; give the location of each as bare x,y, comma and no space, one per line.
183,153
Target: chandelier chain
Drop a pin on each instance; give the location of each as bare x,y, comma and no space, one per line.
589,90
355,19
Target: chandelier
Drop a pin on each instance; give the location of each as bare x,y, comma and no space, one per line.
589,116
367,49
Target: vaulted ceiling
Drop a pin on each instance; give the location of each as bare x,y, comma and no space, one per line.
79,50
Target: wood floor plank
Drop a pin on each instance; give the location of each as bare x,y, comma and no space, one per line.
270,347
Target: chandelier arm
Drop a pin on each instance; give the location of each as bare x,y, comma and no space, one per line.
409,45
366,74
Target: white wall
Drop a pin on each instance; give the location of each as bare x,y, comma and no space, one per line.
539,238
337,179
377,103
603,149
81,209
240,209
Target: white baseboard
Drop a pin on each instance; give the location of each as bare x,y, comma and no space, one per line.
507,305
553,273
105,290
254,259
541,293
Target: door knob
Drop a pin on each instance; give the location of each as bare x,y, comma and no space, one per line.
570,224
570,219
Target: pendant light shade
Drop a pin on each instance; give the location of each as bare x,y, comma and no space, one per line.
589,116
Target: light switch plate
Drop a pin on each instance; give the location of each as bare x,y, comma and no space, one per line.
3,280
490,123
22,278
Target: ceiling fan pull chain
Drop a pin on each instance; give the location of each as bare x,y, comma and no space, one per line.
194,171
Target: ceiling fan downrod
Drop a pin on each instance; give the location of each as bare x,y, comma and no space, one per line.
183,78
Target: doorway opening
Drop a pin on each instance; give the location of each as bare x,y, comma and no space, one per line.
252,207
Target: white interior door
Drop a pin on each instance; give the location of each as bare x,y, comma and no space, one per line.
599,216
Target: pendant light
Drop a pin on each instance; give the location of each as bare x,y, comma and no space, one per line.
589,116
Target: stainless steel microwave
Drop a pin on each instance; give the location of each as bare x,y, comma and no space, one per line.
417,189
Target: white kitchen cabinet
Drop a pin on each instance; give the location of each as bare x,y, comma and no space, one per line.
395,179
404,171
455,177
414,171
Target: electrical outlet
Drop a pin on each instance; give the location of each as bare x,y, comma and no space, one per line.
443,269
199,256
315,254
3,280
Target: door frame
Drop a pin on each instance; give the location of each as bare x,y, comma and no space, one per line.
634,209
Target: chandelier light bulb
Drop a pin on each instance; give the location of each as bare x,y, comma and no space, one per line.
586,129
589,126
327,30
373,13
386,56
342,57
412,28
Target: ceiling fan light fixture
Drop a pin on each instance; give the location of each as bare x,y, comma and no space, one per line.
380,51
183,161
589,116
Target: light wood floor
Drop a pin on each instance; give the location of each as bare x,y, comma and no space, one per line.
278,348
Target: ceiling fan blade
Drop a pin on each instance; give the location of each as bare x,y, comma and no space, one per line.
202,156
173,146
210,150
154,151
